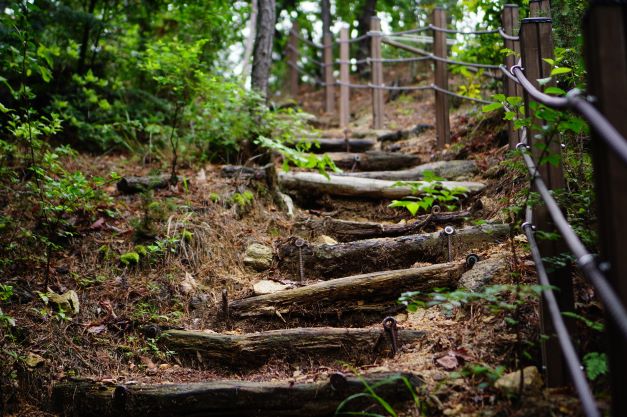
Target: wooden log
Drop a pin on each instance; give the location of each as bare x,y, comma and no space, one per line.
445,169
344,77
242,172
442,122
311,184
256,349
376,292
227,398
323,145
373,160
327,69
403,134
376,73
133,184
330,261
349,231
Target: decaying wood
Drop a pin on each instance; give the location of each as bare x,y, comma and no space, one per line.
84,398
330,261
348,231
133,184
376,292
256,349
311,184
340,145
445,169
373,160
403,134
243,172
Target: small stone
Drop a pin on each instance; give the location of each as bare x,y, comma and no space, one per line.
267,286
33,360
510,383
258,257
482,273
68,301
326,240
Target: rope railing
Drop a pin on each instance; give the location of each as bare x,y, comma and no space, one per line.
506,36
461,32
307,41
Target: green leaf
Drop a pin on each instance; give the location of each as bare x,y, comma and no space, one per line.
555,90
549,61
491,107
560,70
595,364
544,81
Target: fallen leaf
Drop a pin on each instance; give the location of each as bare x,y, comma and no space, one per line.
448,362
97,224
97,329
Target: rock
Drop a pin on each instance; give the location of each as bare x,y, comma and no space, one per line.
33,360
268,287
189,284
258,257
326,240
482,273
68,301
509,384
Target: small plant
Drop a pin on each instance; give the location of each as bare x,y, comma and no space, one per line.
428,192
129,258
6,292
595,364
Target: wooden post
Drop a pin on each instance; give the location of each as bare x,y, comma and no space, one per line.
344,78
536,43
510,22
605,40
539,8
292,59
442,123
377,73
329,87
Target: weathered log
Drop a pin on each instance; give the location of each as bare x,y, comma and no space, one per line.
255,349
323,145
330,261
373,160
445,169
133,184
243,172
84,398
349,231
308,184
403,134
376,292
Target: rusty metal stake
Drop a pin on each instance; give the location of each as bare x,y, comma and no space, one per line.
299,243
448,232
389,326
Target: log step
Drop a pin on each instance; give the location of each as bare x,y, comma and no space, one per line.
255,349
445,169
326,261
371,293
373,160
340,145
84,398
308,184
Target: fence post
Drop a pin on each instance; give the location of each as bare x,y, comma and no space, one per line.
377,73
539,8
442,123
605,41
509,20
292,59
536,43
329,88
344,78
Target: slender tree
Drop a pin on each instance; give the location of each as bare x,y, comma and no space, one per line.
262,52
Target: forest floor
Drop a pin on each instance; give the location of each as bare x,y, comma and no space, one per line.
205,227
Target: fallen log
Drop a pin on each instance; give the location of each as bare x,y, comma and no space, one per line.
376,292
330,261
445,169
256,349
403,134
323,145
84,398
310,184
133,184
349,231
373,160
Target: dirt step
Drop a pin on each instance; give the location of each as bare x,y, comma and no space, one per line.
307,184
445,169
367,293
85,398
326,261
373,160
350,231
241,351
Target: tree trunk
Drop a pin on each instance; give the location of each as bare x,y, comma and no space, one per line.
331,261
308,185
262,53
325,16
444,169
369,9
350,231
374,293
373,160
227,398
82,56
255,349
250,41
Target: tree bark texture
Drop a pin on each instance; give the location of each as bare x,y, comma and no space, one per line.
262,52
373,160
227,398
340,145
369,293
242,351
331,261
444,169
